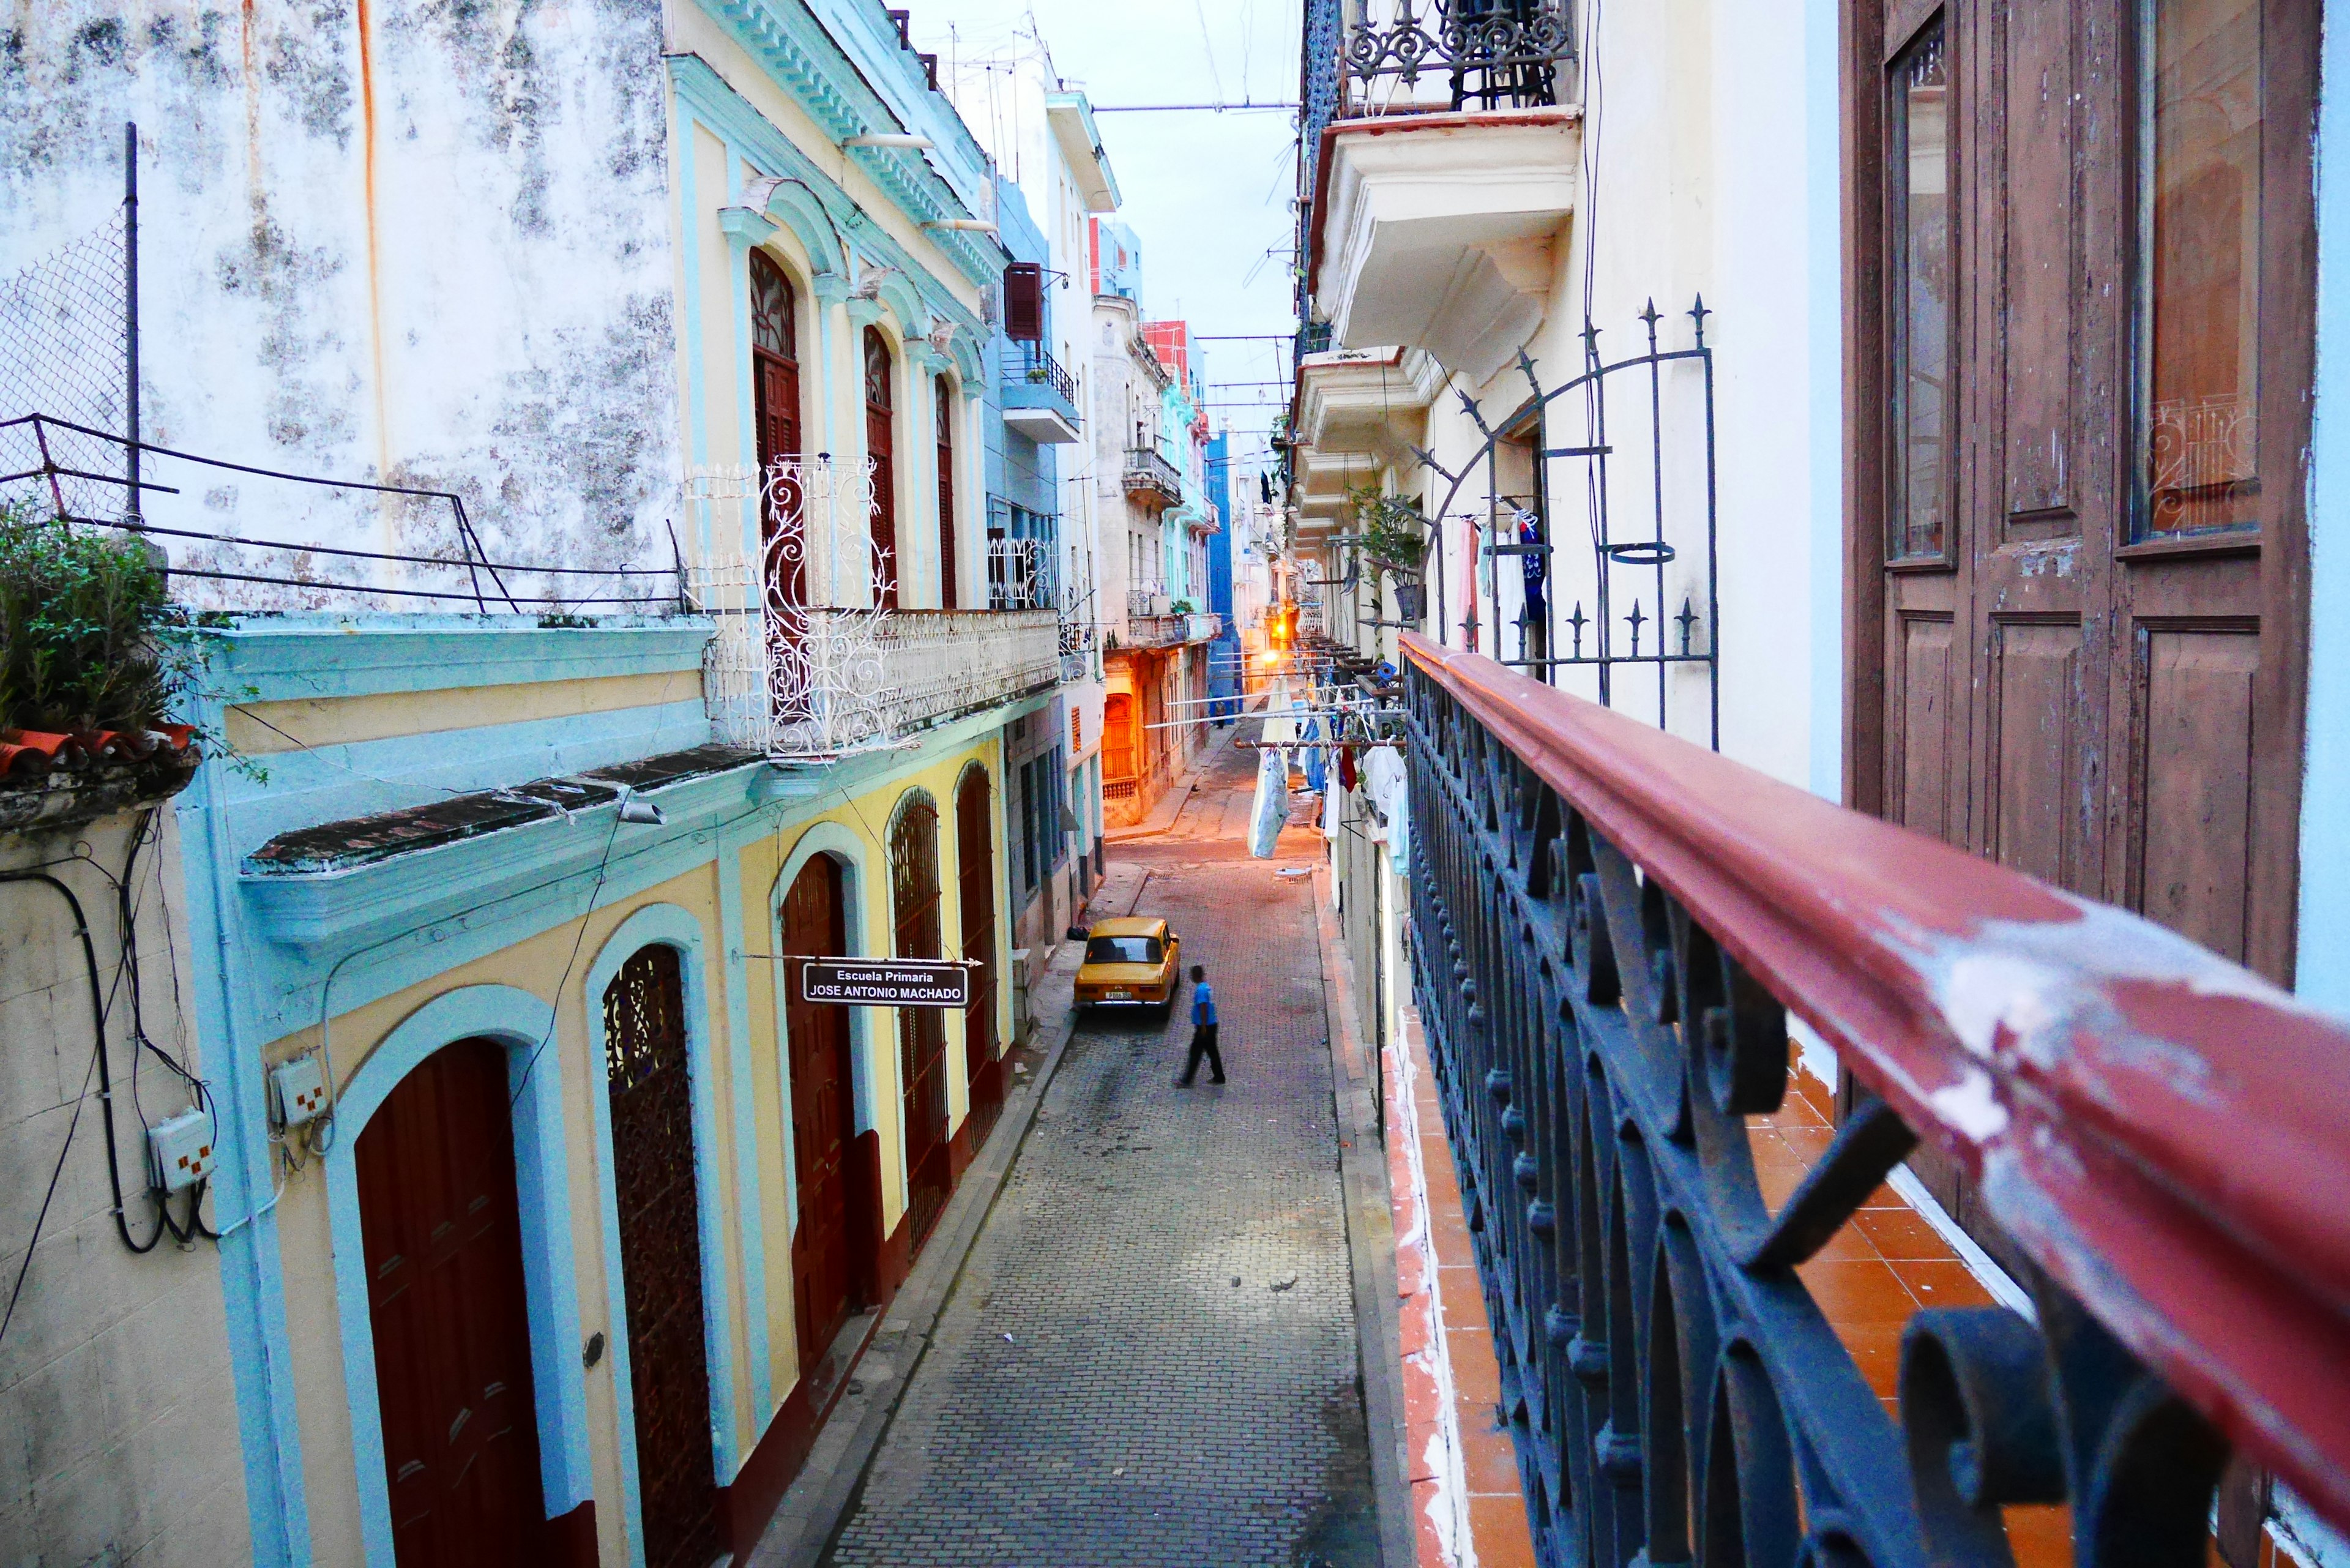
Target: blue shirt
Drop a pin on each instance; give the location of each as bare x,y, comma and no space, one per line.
1203,1005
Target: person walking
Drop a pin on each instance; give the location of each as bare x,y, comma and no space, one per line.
1203,1029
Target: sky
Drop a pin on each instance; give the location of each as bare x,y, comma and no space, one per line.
1207,195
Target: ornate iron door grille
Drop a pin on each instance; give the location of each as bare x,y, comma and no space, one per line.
826,1280
1675,1394
1650,524
922,1031
661,1257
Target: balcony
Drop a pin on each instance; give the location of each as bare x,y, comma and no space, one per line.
1020,575
1613,934
1418,56
1151,480
1040,398
1358,404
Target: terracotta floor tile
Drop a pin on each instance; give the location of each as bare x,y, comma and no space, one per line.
1503,1539
1797,1110
1448,1234
1861,1295
2041,1537
1847,1245
1476,1376
1947,1284
1886,1198
1777,1182
1875,1351
1809,1143
1489,1459
1902,1234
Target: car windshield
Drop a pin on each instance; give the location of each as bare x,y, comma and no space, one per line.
1122,949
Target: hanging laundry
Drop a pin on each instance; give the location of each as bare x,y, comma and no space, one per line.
1269,812
1346,775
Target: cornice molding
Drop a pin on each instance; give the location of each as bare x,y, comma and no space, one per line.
786,38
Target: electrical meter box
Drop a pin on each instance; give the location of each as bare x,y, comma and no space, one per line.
300,1089
182,1149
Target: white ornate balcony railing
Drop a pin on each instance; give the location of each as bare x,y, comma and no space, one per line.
1199,627
809,683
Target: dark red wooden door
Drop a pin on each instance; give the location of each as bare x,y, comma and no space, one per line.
975,902
881,446
944,420
826,1243
443,1243
922,1031
661,1257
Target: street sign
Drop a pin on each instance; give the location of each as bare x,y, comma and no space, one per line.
886,983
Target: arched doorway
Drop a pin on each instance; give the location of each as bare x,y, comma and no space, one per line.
833,1243
922,1031
975,901
651,1090
881,446
943,419
445,1298
775,403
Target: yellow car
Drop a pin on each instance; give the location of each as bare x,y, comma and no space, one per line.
1130,962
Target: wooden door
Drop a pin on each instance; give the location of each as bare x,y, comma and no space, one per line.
445,1298
1117,736
944,420
975,899
650,1085
881,446
831,1244
922,1031
2082,313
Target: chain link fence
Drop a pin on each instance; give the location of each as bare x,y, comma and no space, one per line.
64,345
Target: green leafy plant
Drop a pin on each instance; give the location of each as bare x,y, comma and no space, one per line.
1180,606
88,639
1390,530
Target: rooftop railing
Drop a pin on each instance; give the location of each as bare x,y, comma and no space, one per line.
1612,929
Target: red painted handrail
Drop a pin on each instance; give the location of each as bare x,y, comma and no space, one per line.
2166,1133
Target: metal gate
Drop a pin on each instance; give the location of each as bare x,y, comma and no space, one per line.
1565,462
661,1257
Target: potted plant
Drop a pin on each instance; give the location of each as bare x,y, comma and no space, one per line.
1391,531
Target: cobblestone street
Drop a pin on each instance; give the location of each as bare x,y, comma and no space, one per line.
1150,1356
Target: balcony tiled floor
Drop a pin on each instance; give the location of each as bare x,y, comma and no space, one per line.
1878,1272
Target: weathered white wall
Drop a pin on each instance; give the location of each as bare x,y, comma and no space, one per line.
118,1416
404,241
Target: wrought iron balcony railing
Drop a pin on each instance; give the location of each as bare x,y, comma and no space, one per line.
1487,54
1611,930
1027,365
1152,478
1020,575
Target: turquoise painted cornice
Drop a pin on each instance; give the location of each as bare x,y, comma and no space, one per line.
265,659
806,57
707,94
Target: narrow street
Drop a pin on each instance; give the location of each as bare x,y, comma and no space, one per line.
1150,1356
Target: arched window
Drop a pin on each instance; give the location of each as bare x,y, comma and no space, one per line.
776,359
922,1031
776,404
945,423
881,445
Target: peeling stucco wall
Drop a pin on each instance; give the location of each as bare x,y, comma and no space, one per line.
411,242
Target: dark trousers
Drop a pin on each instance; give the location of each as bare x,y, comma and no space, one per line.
1203,1043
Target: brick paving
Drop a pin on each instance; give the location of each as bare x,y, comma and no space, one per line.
1152,1356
